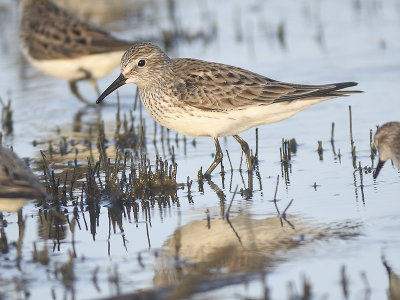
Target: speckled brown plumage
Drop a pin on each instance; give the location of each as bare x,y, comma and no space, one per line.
50,32
200,98
387,140
64,46
16,179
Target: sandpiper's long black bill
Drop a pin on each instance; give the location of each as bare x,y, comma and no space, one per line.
378,168
120,81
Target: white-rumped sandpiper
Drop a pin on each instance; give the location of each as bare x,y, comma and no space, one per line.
199,98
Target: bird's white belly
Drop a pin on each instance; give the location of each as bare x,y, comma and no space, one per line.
213,123
98,65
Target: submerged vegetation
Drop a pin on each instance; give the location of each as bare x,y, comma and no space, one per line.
80,173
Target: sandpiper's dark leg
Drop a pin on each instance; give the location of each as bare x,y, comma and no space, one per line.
217,158
378,168
86,76
246,150
74,90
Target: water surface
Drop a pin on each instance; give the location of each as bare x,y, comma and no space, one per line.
336,219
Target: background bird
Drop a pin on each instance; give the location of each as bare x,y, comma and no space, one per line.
61,45
387,140
17,182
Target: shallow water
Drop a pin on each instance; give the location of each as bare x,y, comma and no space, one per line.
335,219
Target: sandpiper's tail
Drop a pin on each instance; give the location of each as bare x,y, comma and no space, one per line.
342,85
322,92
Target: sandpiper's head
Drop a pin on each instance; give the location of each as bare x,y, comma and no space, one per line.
143,64
387,140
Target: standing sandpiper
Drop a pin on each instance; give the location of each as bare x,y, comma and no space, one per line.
61,45
387,140
200,98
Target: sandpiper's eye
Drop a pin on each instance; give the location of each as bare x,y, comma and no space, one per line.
141,63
